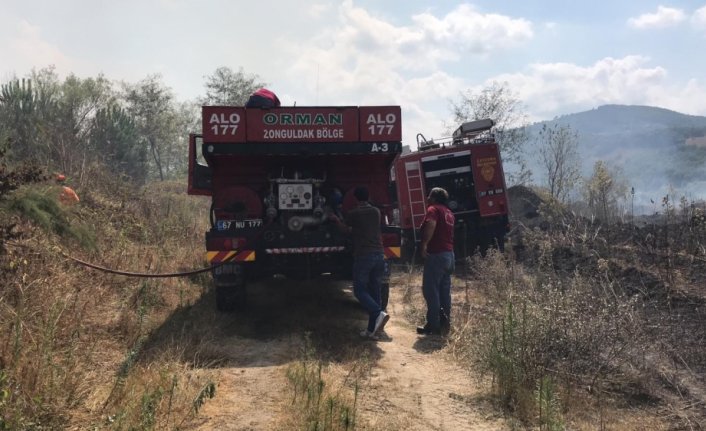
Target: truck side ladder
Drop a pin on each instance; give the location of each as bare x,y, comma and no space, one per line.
416,195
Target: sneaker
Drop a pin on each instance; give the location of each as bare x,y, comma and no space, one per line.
425,330
367,334
380,322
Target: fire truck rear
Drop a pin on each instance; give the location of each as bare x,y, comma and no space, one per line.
469,167
275,175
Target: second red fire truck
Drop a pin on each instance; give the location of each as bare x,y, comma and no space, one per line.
469,167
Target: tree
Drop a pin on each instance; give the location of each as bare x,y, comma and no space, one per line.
24,117
67,125
604,189
225,87
186,119
78,102
498,103
152,106
559,155
48,121
115,140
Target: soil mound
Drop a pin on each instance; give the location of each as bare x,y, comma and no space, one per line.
524,207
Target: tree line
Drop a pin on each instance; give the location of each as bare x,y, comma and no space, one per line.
88,126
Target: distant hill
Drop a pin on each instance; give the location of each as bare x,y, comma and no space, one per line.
656,148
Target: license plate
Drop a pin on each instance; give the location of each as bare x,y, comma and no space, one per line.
238,224
228,269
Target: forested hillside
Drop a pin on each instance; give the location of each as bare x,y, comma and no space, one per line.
655,148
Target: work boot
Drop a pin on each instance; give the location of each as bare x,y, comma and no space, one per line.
445,324
426,330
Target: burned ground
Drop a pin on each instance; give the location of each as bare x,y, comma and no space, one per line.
661,265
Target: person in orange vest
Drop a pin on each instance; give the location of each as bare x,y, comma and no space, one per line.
67,196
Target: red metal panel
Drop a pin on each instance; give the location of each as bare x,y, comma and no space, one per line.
416,195
223,124
415,183
380,124
490,180
303,124
418,208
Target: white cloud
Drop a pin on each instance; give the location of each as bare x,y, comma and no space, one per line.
550,25
363,59
425,44
466,29
663,18
699,18
29,49
318,10
553,89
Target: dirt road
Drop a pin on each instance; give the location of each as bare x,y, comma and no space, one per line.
412,384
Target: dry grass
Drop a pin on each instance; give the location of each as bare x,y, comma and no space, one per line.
72,339
589,327
576,333
540,339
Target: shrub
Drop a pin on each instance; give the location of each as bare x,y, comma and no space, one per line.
571,330
43,209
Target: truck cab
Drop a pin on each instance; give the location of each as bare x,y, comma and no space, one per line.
275,175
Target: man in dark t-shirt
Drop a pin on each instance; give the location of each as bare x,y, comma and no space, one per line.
437,250
363,222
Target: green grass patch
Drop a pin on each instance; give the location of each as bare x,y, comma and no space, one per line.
320,405
43,209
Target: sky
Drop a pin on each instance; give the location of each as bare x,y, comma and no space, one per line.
556,57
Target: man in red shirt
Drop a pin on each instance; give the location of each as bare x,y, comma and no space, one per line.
437,251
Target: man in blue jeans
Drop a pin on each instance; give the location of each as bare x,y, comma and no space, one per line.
363,222
437,250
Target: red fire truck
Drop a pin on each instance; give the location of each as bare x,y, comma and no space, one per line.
275,174
469,167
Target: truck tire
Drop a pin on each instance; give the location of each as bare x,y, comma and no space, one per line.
230,298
